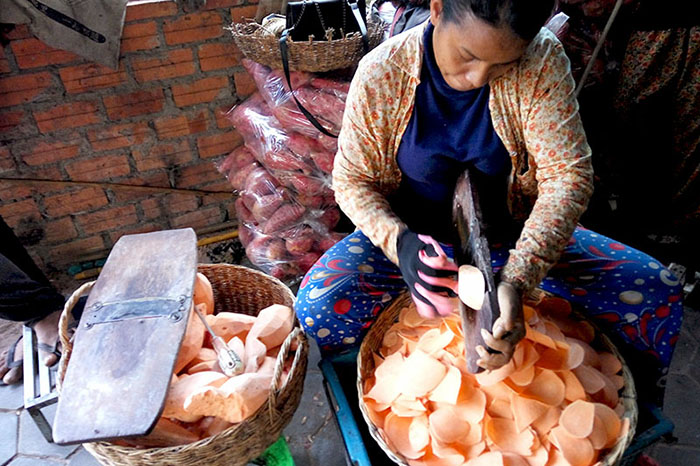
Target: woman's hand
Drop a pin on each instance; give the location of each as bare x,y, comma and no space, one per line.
507,330
429,274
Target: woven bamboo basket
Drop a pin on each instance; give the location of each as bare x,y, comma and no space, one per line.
312,56
236,289
373,340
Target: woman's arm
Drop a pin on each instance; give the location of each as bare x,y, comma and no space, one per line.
361,171
555,139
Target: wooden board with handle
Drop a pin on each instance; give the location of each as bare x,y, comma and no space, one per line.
128,338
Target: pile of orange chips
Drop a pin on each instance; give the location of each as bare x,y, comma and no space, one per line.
555,403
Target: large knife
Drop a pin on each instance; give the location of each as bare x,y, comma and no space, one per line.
471,248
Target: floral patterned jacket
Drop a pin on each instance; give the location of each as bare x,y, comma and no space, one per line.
535,114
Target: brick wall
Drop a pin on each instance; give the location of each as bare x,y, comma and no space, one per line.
155,121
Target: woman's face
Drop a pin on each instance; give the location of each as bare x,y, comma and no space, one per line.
470,53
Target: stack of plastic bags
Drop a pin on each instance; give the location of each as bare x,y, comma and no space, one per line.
286,209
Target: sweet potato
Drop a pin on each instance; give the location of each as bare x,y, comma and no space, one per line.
192,343
300,244
286,215
330,217
265,206
238,176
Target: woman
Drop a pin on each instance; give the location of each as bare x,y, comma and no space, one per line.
481,86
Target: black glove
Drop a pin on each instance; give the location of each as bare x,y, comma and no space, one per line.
415,254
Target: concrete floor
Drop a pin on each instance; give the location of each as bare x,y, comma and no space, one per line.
314,438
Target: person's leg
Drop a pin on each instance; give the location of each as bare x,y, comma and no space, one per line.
26,296
342,294
627,293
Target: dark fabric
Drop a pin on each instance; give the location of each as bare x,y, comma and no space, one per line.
409,16
449,131
26,295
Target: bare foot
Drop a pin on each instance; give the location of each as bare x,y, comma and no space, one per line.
46,331
11,375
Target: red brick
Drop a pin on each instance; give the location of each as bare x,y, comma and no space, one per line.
9,120
201,91
158,178
16,90
179,203
46,152
107,219
218,144
243,12
181,125
117,136
198,219
32,53
222,121
45,172
217,56
163,155
195,175
151,208
75,250
245,85
98,168
193,28
71,115
134,103
137,10
176,63
15,192
220,186
15,212
7,163
141,228
60,230
90,77
4,64
215,4
20,31
79,200
139,36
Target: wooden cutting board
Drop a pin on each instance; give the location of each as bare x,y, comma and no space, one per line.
127,342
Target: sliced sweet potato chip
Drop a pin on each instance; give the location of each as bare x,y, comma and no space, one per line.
448,389
486,378
555,307
576,355
546,387
608,394
505,435
611,422
599,434
472,405
450,457
609,363
553,332
577,451
500,408
491,458
544,423
419,433
444,452
590,357
574,389
526,411
434,340
539,458
446,426
577,418
407,406
397,430
618,381
423,375
523,377
513,459
553,359
591,379
539,337
377,412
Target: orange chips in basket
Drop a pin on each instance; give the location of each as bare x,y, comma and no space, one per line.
555,403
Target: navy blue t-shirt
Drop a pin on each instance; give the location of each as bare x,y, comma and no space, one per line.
449,131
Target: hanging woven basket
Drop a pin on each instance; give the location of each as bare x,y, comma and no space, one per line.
262,46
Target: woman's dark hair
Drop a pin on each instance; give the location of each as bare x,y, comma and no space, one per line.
523,17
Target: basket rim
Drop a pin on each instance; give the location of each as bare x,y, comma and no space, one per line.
628,396
294,381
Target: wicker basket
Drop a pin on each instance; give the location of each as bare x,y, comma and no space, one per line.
373,340
311,56
236,289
